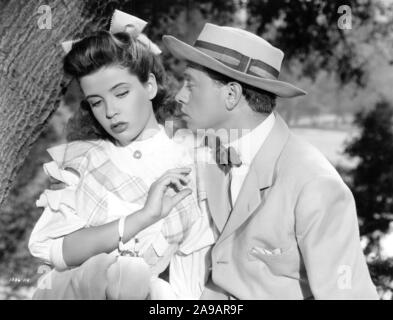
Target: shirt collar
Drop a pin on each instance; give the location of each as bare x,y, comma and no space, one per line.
248,145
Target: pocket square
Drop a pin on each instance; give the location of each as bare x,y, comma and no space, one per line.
266,251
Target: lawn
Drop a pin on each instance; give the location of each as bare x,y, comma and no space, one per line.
330,142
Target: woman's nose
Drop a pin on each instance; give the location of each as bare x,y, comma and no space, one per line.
111,110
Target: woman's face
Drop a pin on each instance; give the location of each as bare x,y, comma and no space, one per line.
120,102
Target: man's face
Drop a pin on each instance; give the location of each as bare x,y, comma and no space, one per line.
202,101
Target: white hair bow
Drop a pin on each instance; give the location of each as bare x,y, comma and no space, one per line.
123,22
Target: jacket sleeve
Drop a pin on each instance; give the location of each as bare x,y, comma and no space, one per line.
328,237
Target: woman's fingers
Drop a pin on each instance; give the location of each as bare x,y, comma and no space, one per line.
185,180
170,201
178,174
183,171
172,179
180,196
56,184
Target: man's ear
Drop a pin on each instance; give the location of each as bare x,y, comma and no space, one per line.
234,92
151,86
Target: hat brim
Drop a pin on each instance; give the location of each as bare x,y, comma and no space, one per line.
184,51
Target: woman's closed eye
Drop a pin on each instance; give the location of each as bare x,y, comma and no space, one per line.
95,103
122,94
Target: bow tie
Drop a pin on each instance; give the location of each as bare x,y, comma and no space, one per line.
226,158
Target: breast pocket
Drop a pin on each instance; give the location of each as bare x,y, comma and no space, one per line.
283,261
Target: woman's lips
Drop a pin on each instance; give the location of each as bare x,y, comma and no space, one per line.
119,127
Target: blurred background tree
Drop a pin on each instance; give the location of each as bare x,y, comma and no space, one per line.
308,31
372,178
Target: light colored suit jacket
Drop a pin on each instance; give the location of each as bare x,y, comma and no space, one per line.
293,232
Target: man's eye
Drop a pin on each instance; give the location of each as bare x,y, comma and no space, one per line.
188,85
122,94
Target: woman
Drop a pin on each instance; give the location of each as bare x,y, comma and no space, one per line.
128,183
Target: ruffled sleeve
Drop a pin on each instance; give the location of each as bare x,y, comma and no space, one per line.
59,217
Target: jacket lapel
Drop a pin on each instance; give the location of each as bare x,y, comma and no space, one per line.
259,177
213,185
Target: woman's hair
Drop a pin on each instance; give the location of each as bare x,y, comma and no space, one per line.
103,49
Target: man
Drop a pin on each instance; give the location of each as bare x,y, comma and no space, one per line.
286,222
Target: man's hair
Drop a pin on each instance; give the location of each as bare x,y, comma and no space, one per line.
259,100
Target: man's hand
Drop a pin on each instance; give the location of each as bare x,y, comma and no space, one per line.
159,201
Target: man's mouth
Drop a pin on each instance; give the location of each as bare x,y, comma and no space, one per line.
119,127
184,116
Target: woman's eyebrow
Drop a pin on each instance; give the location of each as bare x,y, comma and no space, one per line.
93,96
117,85
111,89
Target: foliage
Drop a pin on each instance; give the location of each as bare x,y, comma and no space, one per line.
372,179
19,213
308,31
381,273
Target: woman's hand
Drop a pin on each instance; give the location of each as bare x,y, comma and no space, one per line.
159,200
56,184
163,195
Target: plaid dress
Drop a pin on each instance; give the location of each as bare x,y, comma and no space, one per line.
96,184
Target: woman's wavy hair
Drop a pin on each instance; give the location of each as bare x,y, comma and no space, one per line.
103,49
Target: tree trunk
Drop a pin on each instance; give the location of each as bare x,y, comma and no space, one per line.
31,75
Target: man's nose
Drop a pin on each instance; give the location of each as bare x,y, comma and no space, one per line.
181,97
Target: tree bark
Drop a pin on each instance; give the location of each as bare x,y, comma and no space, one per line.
31,75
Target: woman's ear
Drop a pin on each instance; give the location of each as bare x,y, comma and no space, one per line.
234,92
151,86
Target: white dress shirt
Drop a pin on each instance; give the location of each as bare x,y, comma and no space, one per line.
247,147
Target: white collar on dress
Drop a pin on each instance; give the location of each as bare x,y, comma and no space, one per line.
148,145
